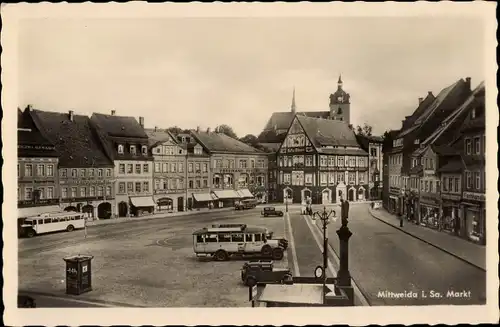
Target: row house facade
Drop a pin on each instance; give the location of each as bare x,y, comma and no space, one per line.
416,128
373,145
127,144
85,172
320,161
169,173
37,162
446,179
237,169
197,173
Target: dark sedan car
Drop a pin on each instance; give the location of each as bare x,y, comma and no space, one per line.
271,211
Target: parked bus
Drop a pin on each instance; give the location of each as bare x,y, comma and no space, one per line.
223,241
52,222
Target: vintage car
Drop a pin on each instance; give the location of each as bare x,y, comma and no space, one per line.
271,211
25,301
263,272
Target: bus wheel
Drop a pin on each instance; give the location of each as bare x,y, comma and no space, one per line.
70,228
221,255
277,254
266,251
30,233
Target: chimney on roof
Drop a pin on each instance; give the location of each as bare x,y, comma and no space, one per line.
141,121
430,93
156,128
467,82
113,112
197,129
29,107
420,100
208,130
71,115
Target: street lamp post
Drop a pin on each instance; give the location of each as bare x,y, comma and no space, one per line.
325,219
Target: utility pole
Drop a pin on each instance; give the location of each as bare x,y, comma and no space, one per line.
325,219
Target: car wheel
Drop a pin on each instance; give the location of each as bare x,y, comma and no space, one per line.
278,254
266,251
281,214
221,255
250,281
30,233
286,278
70,228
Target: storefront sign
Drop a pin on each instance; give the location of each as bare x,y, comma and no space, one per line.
230,171
474,196
36,147
31,203
430,199
160,191
452,197
86,199
394,190
38,182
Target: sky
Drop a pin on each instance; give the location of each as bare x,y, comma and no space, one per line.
192,72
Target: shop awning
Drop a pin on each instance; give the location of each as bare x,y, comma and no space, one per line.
34,211
245,193
201,197
142,201
226,194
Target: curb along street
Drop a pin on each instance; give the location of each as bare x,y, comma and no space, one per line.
357,290
425,241
288,227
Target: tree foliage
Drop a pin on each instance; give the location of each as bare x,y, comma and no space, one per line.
249,139
228,130
366,130
175,130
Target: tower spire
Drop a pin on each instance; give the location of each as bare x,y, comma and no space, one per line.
294,107
339,83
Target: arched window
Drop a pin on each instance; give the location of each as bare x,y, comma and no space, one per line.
339,111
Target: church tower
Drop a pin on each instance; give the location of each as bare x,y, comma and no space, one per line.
293,107
340,104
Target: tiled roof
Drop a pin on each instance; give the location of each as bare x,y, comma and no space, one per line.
119,126
428,113
271,147
422,106
455,165
220,142
282,120
30,142
473,162
271,136
327,132
158,136
456,118
76,141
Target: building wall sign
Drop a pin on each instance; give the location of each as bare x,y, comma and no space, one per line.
394,190
474,196
87,181
159,191
38,182
31,203
452,197
430,199
87,199
36,147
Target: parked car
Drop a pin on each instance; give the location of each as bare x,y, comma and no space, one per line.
243,205
263,272
25,301
271,211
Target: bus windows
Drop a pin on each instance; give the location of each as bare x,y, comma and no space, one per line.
248,237
199,238
211,238
258,237
224,237
47,221
71,218
237,237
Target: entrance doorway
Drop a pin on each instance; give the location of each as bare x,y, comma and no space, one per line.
325,197
122,209
180,203
351,195
104,210
89,210
70,208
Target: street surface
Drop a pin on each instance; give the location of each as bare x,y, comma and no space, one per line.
144,263
151,263
383,259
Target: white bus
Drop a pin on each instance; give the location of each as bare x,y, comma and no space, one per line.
223,241
52,222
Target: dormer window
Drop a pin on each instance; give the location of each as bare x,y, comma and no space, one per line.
132,150
120,148
144,150
473,113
